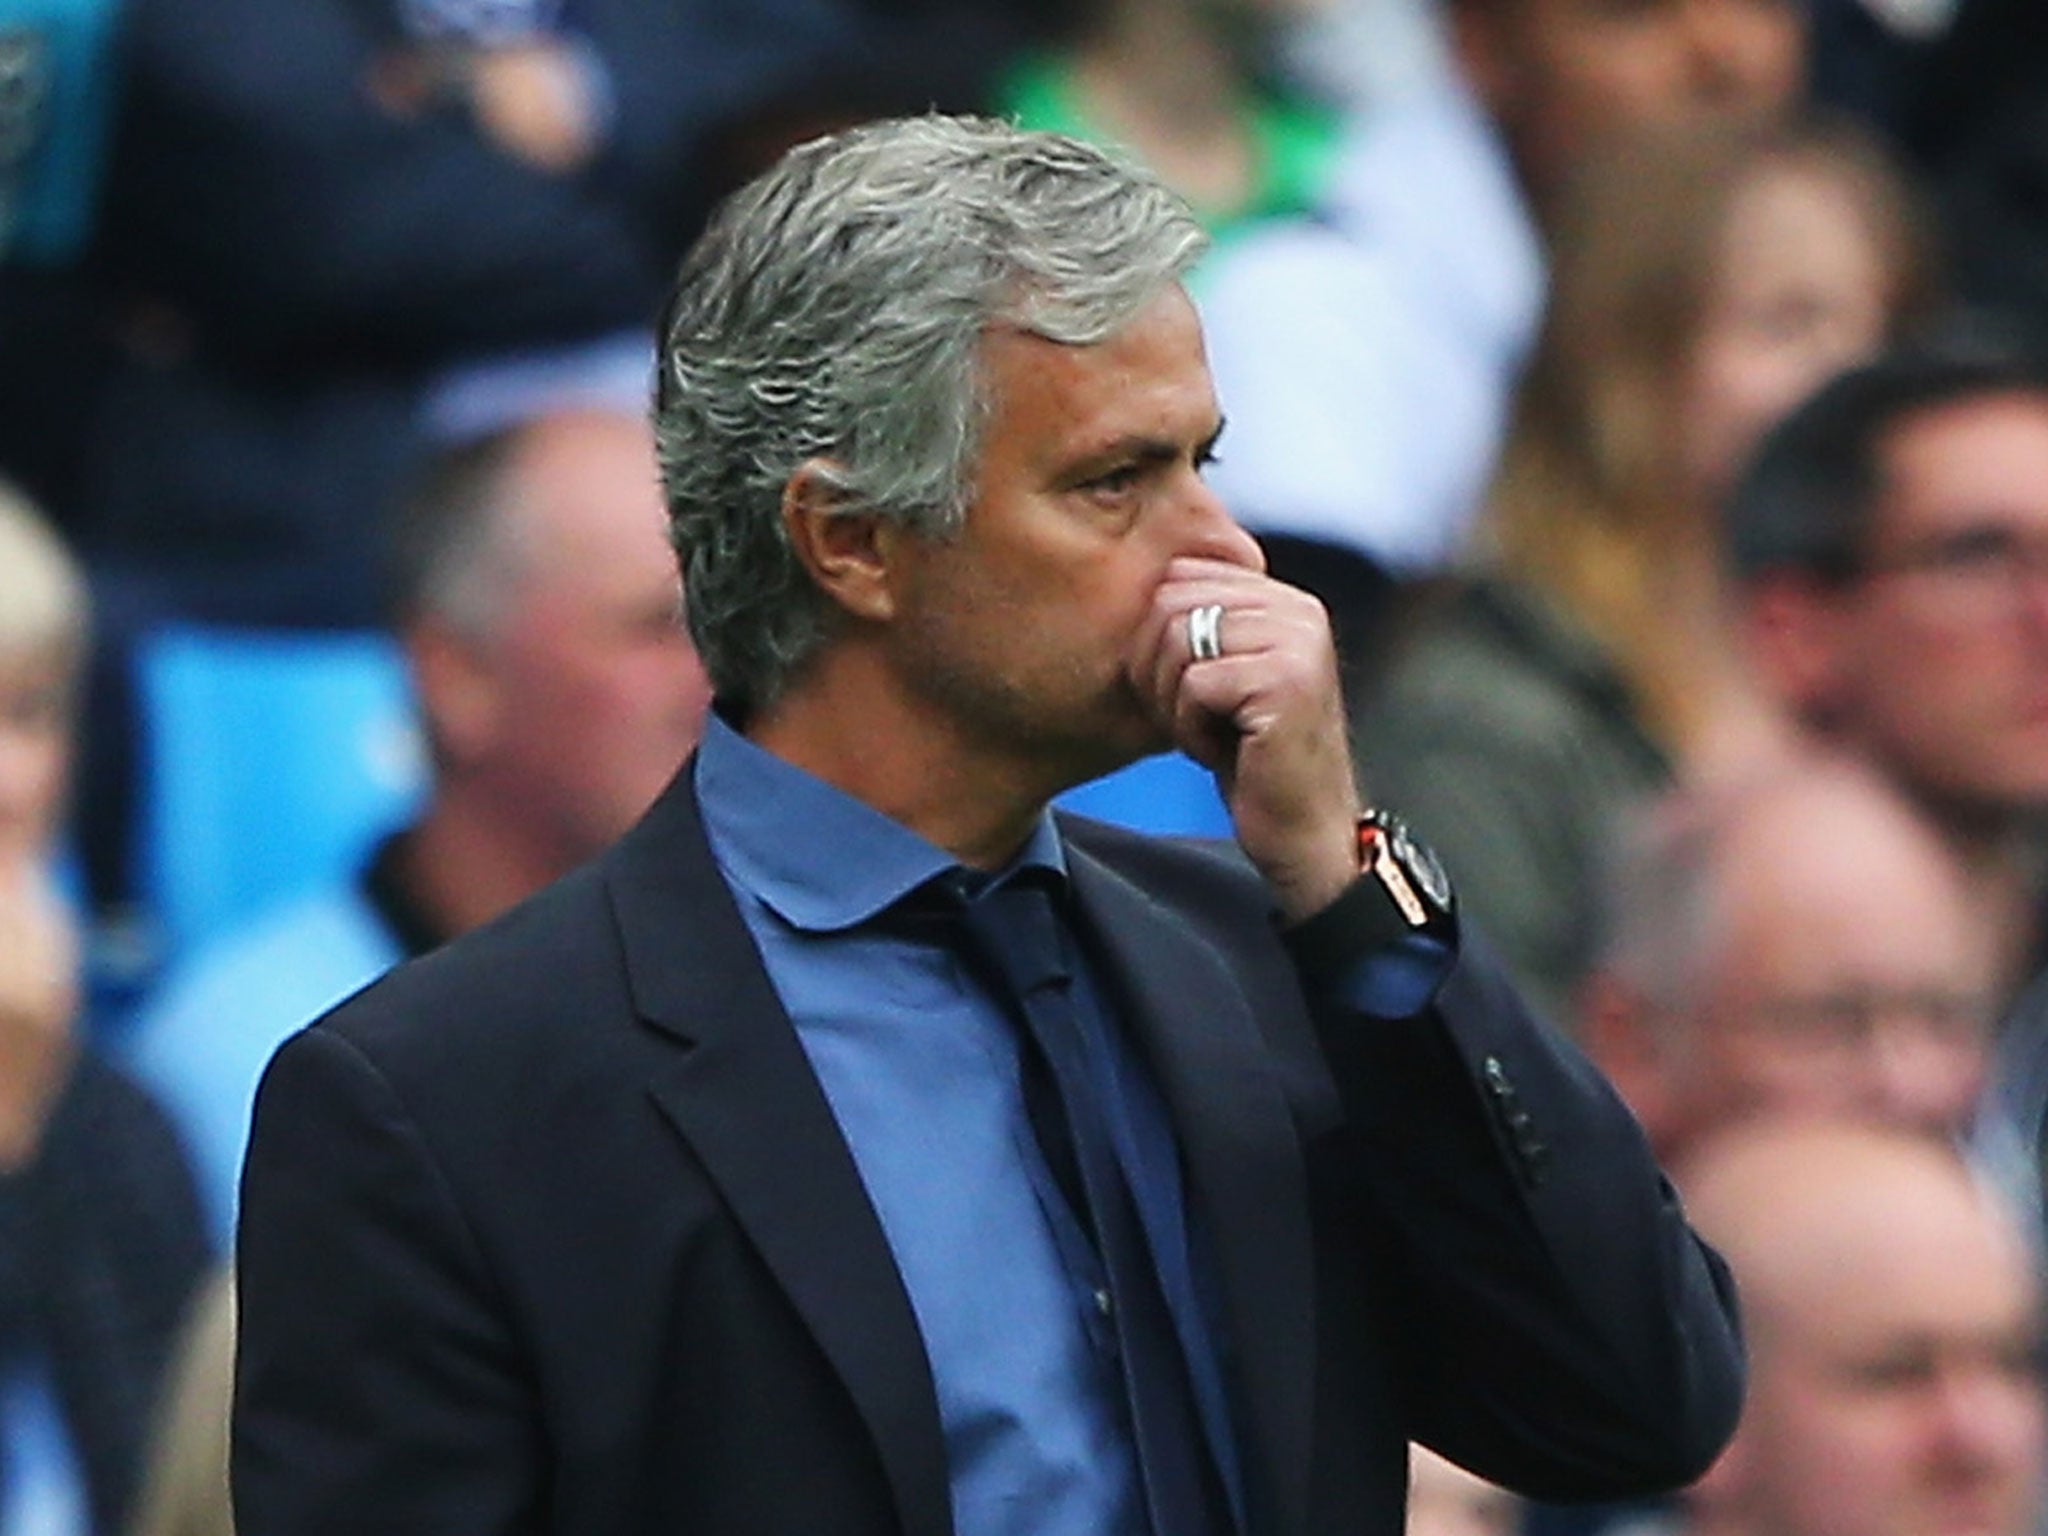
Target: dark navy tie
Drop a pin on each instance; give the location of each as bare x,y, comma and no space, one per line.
1016,935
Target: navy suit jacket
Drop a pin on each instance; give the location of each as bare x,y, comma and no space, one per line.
554,1231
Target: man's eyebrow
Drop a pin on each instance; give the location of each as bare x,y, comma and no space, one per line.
1142,448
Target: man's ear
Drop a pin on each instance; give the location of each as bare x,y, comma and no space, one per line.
1792,628
848,552
458,692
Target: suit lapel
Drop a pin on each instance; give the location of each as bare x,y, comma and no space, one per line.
1243,1164
741,1091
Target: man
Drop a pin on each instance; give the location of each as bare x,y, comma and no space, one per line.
1891,540
856,1148
1369,355
536,601
1808,943
1890,543
1894,1329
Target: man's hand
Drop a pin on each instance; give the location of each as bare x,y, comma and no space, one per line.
532,100
1266,716
39,1001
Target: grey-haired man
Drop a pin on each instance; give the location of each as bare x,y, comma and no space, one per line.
857,1147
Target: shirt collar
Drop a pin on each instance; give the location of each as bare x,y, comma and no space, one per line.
819,859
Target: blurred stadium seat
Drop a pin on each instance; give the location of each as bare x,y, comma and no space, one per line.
1170,795
275,759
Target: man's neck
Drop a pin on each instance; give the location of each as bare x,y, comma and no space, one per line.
462,866
909,763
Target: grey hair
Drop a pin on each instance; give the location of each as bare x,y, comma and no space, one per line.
1662,911
450,551
834,311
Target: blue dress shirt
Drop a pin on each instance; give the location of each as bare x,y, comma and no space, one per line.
920,1067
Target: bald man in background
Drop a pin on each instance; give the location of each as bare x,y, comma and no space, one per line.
1893,1323
538,605
1808,943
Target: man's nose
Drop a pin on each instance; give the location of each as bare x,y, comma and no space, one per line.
1214,534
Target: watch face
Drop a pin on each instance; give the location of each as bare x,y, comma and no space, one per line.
1429,873
1422,865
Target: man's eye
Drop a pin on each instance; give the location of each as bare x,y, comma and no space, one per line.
1116,481
1976,549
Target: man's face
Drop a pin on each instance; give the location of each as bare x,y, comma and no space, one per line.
1850,976
1563,76
599,692
1893,1386
1939,661
1015,637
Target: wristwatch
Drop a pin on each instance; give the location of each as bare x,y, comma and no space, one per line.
1402,890
1407,871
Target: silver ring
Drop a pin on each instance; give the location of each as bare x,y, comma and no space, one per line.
1205,632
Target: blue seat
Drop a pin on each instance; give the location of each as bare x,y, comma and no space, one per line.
274,759
1170,795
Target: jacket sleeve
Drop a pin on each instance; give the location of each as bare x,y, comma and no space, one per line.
1564,1331
377,1383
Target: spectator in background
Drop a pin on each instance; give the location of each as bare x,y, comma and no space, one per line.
101,1239
1704,284
1891,541
1892,545
1189,87
327,226
1368,355
539,609
315,212
1808,943
1894,1331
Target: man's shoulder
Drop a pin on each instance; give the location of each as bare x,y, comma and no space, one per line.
518,971
488,1031
1205,883
1151,859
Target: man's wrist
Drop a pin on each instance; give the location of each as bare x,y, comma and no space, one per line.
1398,904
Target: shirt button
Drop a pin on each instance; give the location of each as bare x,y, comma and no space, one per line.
1102,1302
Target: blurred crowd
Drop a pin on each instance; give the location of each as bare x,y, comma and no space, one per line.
1653,390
